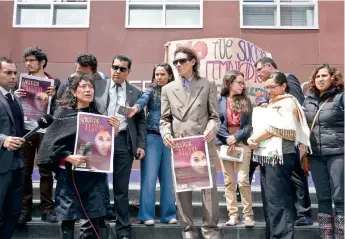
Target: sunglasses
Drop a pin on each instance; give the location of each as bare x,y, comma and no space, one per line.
181,61
122,69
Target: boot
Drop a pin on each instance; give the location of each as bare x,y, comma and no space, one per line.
326,225
67,233
339,227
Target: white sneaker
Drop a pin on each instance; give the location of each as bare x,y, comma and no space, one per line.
232,221
172,221
149,222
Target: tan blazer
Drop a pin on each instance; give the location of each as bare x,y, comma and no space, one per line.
185,115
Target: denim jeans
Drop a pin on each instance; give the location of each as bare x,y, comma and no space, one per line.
157,163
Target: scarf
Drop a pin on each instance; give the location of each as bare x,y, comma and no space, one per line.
283,118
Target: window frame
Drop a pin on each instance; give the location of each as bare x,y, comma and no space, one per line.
278,4
164,3
52,4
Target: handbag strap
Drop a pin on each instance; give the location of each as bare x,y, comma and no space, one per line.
317,114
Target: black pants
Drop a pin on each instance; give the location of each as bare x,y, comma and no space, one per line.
123,159
328,177
11,192
300,182
278,198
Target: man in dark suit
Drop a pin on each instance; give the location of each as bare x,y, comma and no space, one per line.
264,67
11,133
130,142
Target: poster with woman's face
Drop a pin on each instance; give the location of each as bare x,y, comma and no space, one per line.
36,101
96,132
191,164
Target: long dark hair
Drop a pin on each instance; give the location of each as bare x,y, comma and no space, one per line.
68,99
156,88
241,102
191,54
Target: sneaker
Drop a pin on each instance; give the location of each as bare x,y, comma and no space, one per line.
232,221
303,221
24,218
149,222
172,221
49,217
248,222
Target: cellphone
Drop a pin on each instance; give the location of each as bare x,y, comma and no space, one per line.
123,110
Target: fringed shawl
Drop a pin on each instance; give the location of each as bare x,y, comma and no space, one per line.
283,118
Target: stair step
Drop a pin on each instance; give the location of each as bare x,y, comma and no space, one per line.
42,230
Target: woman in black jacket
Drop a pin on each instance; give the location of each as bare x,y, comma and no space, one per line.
327,142
57,150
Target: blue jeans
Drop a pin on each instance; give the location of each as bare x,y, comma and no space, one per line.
157,163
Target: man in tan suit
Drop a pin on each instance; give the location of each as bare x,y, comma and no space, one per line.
189,107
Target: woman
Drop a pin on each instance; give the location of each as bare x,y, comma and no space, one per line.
325,104
57,149
276,130
157,161
235,114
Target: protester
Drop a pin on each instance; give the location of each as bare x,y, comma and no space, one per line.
235,115
57,149
11,156
36,61
282,124
157,161
324,110
189,108
87,63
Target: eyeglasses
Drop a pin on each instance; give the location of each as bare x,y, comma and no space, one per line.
271,87
241,83
181,61
122,69
259,69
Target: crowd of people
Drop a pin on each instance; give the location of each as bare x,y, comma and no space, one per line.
298,134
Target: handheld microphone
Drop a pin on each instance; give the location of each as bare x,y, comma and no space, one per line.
44,122
87,148
260,99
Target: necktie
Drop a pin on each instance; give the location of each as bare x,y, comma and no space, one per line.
9,98
186,85
114,100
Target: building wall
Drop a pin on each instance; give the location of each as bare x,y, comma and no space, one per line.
296,51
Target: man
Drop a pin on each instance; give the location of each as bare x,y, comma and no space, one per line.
87,63
189,107
131,140
11,133
36,61
264,67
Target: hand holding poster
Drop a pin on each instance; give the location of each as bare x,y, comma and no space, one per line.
220,55
191,164
36,101
95,129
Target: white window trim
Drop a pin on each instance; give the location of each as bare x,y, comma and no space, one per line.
164,3
16,4
278,3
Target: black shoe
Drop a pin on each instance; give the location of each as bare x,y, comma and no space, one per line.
303,221
238,195
110,216
49,217
24,218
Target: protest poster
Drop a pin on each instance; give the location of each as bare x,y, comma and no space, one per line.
220,55
191,164
95,130
36,102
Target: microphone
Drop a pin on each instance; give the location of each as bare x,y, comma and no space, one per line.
44,122
260,99
87,148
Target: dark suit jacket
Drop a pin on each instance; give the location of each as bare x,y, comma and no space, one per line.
7,128
295,88
245,124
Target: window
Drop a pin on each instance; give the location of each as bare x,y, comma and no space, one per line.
279,14
164,14
51,13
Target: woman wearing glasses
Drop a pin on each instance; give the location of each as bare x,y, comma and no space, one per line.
276,130
235,115
157,161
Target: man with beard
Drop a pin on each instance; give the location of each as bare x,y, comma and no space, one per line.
36,61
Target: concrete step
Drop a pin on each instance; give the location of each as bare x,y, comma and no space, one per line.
197,211
41,230
134,193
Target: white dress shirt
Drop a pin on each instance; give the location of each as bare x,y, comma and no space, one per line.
117,98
